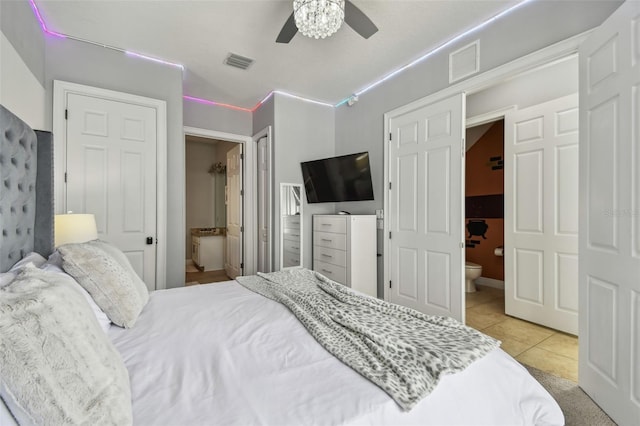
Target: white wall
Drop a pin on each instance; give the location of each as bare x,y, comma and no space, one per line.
212,117
543,84
22,56
303,131
20,90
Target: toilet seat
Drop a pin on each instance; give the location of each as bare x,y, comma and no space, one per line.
471,265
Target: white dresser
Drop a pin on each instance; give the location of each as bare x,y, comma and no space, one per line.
291,241
344,250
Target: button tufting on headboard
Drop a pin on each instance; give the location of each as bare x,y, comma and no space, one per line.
17,201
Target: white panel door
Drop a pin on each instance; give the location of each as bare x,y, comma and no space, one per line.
263,210
233,265
111,172
609,266
426,208
541,213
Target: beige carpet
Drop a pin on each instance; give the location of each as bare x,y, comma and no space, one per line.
578,408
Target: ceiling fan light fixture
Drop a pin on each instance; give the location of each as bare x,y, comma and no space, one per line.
318,18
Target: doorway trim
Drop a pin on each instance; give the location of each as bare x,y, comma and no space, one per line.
472,85
61,89
268,133
248,183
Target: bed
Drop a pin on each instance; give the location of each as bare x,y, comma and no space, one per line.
224,354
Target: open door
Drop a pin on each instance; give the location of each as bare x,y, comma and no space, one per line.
426,216
541,213
609,242
263,210
234,263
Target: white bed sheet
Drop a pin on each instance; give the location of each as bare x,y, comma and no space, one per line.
221,354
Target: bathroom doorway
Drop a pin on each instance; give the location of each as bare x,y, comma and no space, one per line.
530,244
205,209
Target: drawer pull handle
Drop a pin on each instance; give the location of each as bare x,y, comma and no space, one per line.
327,224
295,235
295,248
327,255
327,240
326,271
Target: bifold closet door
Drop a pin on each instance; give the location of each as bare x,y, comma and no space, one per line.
541,213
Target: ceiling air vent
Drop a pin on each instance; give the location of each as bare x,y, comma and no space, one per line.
238,61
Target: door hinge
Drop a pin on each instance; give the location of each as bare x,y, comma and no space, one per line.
65,177
389,185
461,245
389,234
242,265
66,114
242,229
241,193
242,156
390,283
390,137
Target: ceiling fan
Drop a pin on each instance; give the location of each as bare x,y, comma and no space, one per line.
353,16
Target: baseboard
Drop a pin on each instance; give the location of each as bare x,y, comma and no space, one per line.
490,282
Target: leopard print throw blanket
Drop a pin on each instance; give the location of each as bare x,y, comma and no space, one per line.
401,350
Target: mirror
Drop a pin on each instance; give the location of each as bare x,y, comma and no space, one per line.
290,225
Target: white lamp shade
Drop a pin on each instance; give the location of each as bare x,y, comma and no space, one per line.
74,228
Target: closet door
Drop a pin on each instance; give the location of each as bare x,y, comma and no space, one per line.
426,216
609,268
541,214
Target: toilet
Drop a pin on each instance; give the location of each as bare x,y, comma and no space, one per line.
471,272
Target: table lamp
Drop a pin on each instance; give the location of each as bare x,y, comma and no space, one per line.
74,228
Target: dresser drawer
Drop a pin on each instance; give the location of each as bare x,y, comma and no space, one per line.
292,246
334,224
290,259
291,234
336,273
292,222
329,255
329,240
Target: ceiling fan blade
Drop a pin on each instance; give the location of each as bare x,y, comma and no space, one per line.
288,30
358,20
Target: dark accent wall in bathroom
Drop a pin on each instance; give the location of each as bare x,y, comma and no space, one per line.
485,201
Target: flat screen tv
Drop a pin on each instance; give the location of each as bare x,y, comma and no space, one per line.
335,179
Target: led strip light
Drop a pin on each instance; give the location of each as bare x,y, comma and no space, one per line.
376,83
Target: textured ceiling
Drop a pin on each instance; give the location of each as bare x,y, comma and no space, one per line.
200,34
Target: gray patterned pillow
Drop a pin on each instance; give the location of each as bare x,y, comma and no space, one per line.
120,295
122,259
58,366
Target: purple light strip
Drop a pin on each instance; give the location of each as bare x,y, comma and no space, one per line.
208,102
36,11
437,49
150,58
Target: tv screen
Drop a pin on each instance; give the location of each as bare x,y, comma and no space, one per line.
335,179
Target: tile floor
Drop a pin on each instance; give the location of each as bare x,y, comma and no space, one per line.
540,347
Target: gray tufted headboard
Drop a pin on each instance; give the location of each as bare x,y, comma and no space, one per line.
26,190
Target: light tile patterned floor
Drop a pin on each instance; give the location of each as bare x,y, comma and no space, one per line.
540,347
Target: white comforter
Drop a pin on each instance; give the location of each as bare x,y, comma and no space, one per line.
220,354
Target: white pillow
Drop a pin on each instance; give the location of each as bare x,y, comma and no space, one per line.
32,257
58,366
102,318
111,286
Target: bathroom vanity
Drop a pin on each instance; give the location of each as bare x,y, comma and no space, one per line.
208,248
